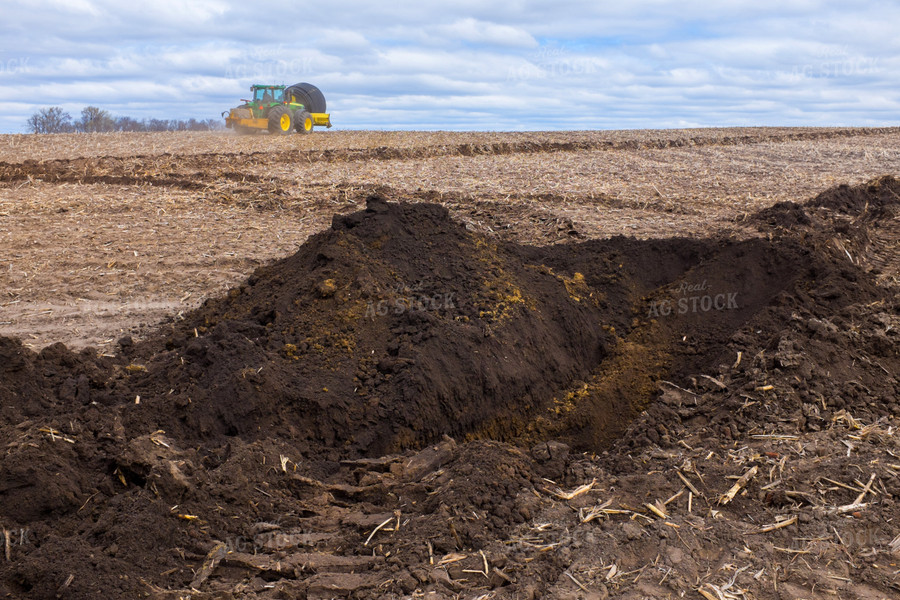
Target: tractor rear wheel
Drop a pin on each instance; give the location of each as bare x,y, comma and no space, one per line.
280,120
303,121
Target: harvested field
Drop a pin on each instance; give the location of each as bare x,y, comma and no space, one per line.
655,364
105,232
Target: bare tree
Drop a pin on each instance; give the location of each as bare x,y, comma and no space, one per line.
50,120
158,125
95,120
129,124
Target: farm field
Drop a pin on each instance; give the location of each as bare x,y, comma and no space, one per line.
625,364
104,232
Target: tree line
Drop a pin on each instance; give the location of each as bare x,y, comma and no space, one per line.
96,120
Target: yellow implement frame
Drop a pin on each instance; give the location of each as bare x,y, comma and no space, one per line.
319,119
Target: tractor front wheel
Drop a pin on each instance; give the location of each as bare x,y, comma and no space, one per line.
303,121
280,120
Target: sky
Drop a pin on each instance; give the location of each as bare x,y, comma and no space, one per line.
464,65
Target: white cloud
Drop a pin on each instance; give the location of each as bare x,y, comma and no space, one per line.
84,7
480,32
342,40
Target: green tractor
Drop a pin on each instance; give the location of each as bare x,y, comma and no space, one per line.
280,110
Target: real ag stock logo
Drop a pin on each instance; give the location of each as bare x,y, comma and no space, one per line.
410,299
692,299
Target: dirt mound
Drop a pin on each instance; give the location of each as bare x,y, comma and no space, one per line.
296,436
397,326
882,193
786,215
33,385
391,329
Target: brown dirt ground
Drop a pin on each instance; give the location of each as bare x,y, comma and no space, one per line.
101,233
482,391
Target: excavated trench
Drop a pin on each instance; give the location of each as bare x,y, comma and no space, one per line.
398,326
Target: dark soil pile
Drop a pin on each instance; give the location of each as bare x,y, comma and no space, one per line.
389,330
371,415
398,326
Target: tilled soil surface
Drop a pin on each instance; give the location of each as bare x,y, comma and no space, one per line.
412,407
103,234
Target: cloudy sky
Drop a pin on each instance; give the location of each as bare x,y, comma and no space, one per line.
596,64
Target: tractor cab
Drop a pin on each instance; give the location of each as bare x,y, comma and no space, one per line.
267,94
